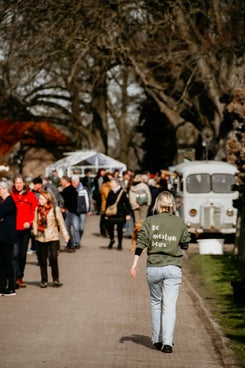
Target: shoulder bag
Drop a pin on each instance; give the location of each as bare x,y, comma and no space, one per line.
112,210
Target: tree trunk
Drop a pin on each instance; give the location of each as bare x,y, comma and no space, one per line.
240,235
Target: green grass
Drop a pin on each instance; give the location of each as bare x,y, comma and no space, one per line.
215,274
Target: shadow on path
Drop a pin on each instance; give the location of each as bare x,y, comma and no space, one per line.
138,339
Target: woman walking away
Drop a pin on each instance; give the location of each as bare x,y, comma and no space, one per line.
164,235
123,212
8,237
47,222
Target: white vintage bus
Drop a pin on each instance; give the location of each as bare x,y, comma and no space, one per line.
204,197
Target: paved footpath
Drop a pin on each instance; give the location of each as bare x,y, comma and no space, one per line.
100,318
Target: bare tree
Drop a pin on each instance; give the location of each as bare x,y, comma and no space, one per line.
189,55
56,60
235,147
60,60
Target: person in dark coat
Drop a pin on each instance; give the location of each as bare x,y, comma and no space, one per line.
155,190
87,180
8,236
123,212
96,195
70,196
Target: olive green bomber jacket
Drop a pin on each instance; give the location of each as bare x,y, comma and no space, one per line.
164,235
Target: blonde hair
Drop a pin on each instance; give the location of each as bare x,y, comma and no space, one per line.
47,196
165,202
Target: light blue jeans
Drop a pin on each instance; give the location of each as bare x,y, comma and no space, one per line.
82,222
164,283
72,225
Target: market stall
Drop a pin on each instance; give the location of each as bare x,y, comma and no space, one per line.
77,162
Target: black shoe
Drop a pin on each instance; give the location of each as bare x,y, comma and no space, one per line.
119,247
57,283
65,249
111,244
71,250
158,345
9,293
167,349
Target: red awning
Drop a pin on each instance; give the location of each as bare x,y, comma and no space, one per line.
28,133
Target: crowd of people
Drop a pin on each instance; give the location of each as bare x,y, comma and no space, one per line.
37,213
40,212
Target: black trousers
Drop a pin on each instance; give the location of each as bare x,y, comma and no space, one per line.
48,250
7,279
20,249
111,225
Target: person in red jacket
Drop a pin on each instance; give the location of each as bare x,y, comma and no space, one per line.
26,204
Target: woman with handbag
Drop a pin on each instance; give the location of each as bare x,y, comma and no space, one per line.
48,221
122,214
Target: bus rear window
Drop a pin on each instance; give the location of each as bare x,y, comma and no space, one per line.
221,183
198,183
204,183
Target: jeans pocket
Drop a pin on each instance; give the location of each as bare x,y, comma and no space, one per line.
175,271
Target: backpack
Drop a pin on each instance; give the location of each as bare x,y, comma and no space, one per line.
141,197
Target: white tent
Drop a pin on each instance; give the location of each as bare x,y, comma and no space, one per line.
77,162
